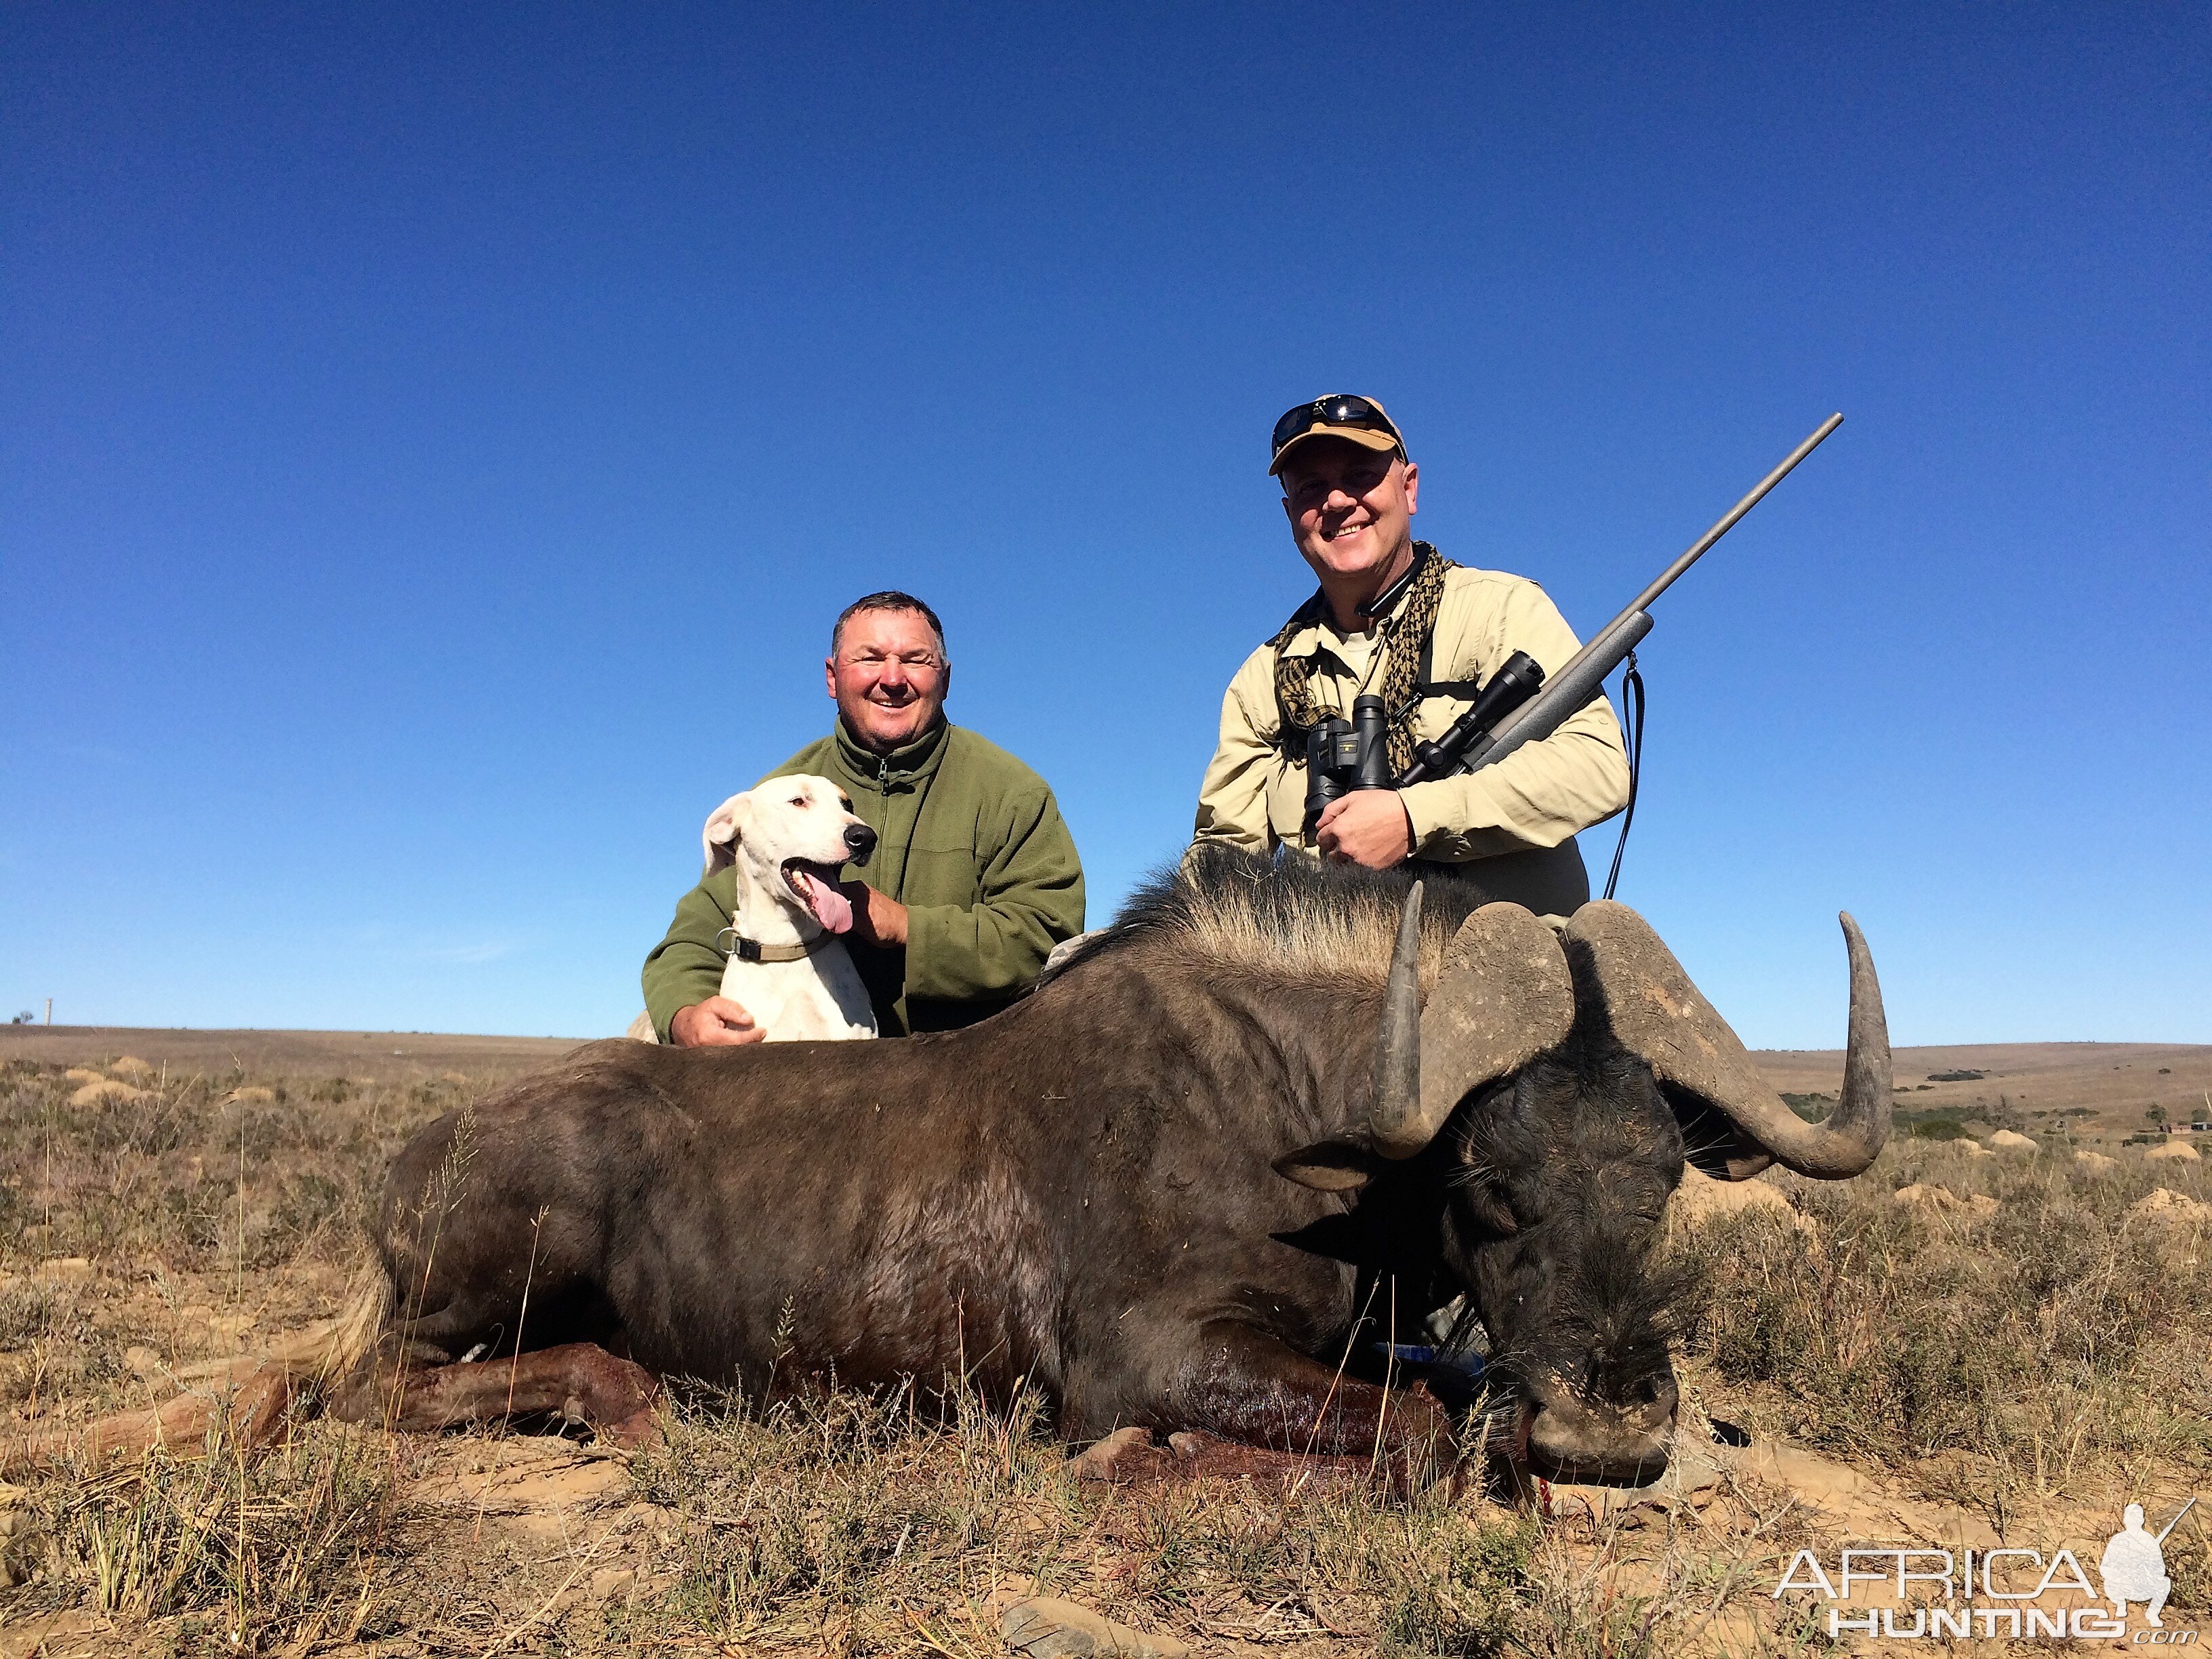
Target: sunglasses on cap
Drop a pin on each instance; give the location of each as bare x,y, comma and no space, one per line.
1343,409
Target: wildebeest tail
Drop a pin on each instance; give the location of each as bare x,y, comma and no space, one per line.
340,1350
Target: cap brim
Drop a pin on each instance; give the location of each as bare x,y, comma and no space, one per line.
1365,437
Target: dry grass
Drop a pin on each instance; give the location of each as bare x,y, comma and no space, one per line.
2048,1360
281,1548
2059,1346
890,1524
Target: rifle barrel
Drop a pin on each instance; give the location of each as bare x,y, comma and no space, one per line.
1698,549
2176,1521
1542,714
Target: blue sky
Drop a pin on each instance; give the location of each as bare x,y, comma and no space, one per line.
437,440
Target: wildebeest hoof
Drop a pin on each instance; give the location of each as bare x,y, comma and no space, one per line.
1123,1456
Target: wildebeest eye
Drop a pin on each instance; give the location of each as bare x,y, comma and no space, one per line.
1490,1208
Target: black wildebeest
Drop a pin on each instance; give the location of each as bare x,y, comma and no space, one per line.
1273,1113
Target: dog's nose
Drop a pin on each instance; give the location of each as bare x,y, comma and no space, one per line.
861,840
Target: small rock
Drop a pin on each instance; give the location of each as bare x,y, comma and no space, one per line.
64,1269
252,1095
1972,1148
1700,1198
82,1074
2163,1204
143,1361
2177,1149
2004,1140
2095,1163
1046,1628
131,1066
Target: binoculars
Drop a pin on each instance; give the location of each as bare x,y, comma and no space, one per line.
1344,755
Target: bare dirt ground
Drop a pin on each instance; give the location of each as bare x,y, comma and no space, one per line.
1964,1348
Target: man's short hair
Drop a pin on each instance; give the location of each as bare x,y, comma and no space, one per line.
890,599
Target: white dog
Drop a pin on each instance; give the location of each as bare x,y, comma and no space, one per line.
787,968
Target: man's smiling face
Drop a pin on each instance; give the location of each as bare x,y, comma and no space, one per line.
889,676
1350,507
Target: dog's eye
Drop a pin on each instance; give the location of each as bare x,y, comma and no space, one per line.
798,800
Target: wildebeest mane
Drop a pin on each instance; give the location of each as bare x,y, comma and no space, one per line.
1288,919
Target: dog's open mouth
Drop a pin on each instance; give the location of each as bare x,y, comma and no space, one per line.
817,887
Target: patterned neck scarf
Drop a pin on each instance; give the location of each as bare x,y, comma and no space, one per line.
1402,637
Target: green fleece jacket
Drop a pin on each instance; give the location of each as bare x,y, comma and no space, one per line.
972,843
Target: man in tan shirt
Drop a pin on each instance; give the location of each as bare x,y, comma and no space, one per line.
1394,617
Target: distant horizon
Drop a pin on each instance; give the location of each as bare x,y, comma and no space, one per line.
525,1036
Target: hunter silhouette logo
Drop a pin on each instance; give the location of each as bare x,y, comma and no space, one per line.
2135,1565
2000,1592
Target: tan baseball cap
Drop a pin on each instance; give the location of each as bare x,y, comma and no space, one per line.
1340,415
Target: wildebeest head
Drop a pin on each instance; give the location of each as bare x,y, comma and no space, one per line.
1564,1080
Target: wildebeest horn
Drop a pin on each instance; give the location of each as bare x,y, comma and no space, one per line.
1658,1014
1503,996
1398,1048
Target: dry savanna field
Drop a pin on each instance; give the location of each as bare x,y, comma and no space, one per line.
1998,1336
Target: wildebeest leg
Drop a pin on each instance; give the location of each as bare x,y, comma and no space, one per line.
1244,1386
580,1381
250,1411
1130,1455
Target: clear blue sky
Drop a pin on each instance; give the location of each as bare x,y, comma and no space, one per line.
437,440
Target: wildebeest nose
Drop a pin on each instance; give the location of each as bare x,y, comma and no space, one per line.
861,840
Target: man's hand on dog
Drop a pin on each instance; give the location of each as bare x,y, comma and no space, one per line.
716,1022
877,919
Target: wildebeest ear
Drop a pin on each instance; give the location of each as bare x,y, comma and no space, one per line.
725,825
1710,1143
1329,1166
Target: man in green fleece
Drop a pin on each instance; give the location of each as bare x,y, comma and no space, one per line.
974,878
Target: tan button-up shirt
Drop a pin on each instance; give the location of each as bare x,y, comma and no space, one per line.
1253,795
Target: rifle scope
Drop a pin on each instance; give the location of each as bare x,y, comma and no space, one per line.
1466,740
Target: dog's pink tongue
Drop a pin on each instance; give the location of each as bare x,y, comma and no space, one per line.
832,908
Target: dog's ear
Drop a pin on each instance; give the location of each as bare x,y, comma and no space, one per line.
725,825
